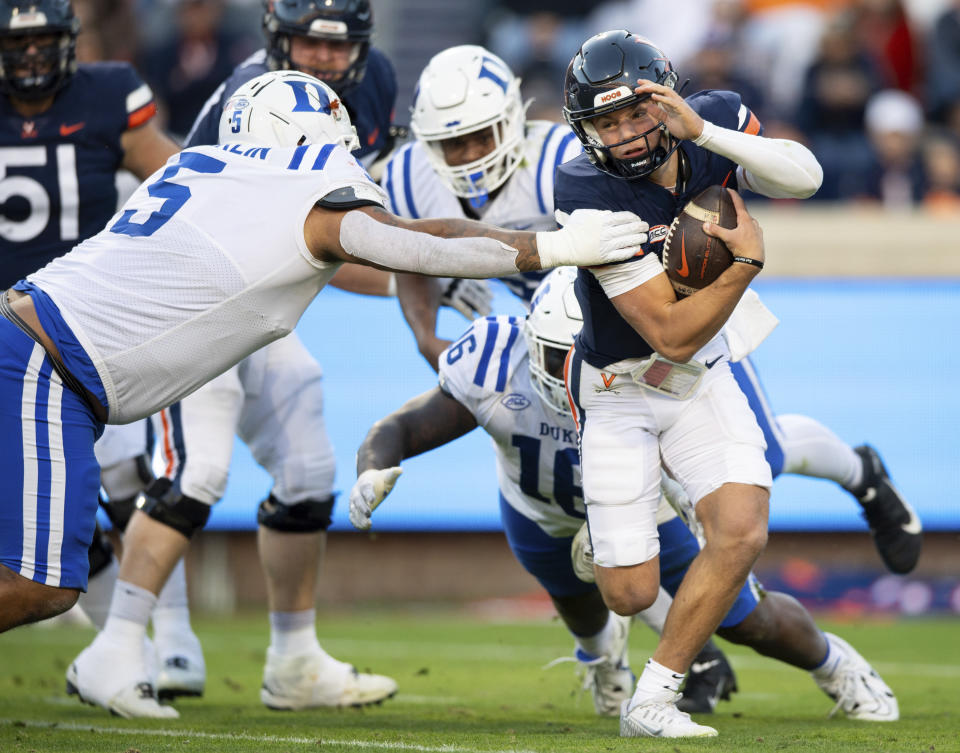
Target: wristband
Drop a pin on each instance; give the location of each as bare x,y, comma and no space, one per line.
747,260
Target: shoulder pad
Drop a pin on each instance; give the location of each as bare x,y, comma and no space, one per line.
479,364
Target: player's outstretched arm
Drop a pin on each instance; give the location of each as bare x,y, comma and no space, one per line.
677,329
427,421
146,149
464,248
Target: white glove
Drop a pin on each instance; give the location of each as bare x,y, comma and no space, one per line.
368,492
472,298
591,237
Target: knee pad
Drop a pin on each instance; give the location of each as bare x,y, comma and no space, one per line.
308,516
119,511
163,502
100,552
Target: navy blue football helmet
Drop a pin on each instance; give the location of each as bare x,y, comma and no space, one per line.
342,20
600,79
28,71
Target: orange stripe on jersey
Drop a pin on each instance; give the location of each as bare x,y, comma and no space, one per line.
166,444
566,385
140,116
753,125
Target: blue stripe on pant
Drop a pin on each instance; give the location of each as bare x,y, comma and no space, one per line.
749,381
50,474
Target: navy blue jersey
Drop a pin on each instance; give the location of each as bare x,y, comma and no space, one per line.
606,337
57,169
369,103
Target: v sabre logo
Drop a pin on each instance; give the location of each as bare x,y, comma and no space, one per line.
607,379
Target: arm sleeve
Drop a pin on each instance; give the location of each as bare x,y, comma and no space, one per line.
411,251
778,168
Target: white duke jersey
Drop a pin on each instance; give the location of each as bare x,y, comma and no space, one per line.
538,464
203,265
524,202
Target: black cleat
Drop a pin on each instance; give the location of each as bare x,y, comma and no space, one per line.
895,527
709,681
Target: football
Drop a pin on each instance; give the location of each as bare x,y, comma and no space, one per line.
691,258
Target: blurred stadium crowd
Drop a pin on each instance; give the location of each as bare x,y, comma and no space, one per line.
872,86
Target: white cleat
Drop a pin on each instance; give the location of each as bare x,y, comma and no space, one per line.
608,678
180,669
581,555
660,719
857,688
292,683
120,684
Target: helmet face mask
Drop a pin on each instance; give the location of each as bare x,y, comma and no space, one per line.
348,21
464,91
553,322
600,80
37,47
286,108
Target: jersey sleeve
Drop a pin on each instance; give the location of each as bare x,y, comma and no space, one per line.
128,96
727,110
476,369
396,181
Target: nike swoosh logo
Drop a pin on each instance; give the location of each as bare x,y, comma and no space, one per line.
67,130
698,667
914,527
652,731
711,364
684,271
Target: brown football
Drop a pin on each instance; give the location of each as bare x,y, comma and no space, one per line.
691,258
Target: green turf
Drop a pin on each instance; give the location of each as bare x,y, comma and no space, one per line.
469,686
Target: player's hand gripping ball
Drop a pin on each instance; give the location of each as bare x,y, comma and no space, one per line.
691,258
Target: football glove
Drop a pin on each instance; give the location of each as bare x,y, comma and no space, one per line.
590,237
472,298
368,492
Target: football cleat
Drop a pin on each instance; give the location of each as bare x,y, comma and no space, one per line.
181,670
709,681
660,718
125,691
857,688
608,678
292,683
896,529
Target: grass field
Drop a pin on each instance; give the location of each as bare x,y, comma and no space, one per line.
471,686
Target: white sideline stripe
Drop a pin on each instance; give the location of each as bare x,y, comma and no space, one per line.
312,741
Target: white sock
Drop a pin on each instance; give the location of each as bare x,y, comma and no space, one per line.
656,683
597,645
811,449
171,616
655,615
130,611
294,633
95,603
826,668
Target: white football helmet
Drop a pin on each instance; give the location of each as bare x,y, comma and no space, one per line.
554,320
286,108
465,89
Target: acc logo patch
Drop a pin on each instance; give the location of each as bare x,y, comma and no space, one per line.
657,233
515,401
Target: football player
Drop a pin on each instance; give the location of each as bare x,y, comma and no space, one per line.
506,375
78,356
275,398
66,129
649,377
475,156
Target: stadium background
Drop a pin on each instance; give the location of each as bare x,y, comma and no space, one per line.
869,302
